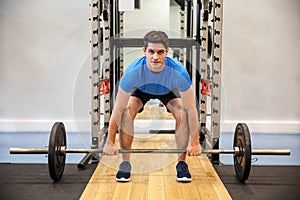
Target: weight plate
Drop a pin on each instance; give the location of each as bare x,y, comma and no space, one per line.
242,161
56,160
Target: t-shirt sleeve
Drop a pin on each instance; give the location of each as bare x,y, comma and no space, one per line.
183,80
126,83
129,79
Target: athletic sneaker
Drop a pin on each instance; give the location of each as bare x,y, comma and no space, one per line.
183,174
123,174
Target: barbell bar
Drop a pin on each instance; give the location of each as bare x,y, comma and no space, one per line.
63,150
242,152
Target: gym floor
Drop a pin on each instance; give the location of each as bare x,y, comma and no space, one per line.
26,176
32,181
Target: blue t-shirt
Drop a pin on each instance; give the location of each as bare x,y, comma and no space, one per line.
173,76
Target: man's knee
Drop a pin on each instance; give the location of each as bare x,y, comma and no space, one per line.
134,106
180,115
176,109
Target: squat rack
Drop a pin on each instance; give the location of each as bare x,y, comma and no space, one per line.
201,55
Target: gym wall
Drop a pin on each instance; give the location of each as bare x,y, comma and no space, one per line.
261,72
45,49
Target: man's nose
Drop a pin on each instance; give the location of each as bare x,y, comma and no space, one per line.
155,55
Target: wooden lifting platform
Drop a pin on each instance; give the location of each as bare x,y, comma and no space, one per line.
154,176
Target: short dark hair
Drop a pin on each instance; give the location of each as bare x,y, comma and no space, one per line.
156,37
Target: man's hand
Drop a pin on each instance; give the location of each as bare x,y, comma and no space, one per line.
110,149
194,149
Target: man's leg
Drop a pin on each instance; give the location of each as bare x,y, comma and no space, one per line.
181,137
181,129
126,137
126,128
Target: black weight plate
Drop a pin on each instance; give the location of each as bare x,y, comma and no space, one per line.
242,162
56,160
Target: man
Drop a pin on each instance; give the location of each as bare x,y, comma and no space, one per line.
155,76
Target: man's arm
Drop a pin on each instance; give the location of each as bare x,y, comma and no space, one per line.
115,120
189,105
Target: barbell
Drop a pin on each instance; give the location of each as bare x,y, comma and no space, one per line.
242,152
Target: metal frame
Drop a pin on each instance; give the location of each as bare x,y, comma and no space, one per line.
138,42
106,54
204,64
95,65
182,31
216,74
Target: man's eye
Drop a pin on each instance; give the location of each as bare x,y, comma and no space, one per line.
151,51
161,52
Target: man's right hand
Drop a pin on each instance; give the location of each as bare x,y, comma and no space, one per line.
110,149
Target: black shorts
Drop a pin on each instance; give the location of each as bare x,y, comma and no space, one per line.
165,98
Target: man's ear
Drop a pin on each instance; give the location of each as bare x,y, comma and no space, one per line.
144,50
167,51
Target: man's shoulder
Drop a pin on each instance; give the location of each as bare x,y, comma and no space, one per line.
138,62
135,65
173,63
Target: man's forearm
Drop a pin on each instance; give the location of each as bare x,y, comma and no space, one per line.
112,130
193,126
115,119
114,124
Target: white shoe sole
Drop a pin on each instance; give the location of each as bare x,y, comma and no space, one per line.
122,179
184,179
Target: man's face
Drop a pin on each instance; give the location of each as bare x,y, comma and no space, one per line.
155,55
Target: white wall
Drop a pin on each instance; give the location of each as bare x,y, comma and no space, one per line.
43,45
152,14
44,58
261,59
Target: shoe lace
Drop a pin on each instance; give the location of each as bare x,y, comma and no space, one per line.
125,166
183,167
